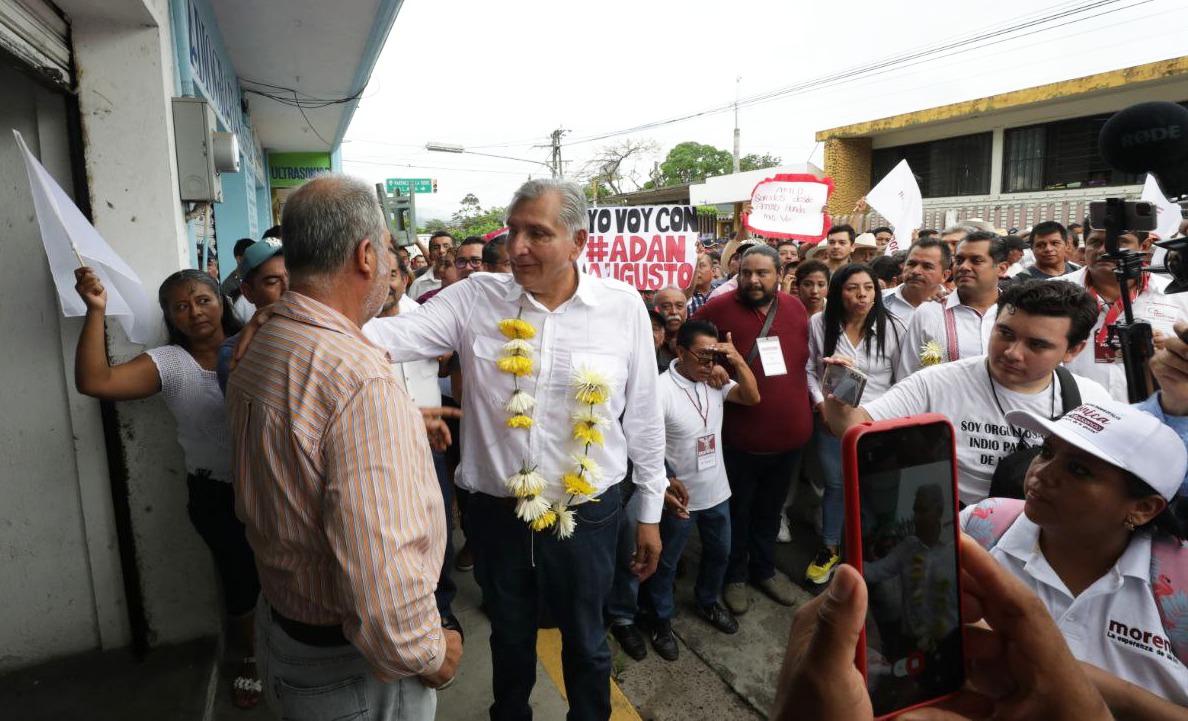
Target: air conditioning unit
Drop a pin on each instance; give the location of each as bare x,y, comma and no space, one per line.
202,151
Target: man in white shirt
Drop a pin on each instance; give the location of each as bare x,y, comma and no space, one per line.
698,490
583,346
924,272
1039,325
440,244
1102,361
839,245
960,326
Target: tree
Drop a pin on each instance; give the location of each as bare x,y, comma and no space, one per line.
692,162
613,166
470,219
757,162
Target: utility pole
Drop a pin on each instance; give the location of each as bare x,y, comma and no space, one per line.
558,172
737,80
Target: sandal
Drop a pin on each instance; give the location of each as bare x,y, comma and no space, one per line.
247,687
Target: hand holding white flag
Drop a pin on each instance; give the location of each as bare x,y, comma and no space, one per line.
897,197
70,240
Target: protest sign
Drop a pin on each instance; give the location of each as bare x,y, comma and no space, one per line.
897,197
647,246
791,206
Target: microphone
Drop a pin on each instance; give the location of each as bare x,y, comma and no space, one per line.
1151,138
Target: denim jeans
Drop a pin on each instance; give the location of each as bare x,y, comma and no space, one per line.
713,525
758,484
833,503
310,683
622,605
446,588
518,571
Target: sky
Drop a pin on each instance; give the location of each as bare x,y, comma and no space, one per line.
499,77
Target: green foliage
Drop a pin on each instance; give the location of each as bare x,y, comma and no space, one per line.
691,162
756,162
470,219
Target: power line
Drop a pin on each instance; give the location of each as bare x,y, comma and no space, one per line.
430,167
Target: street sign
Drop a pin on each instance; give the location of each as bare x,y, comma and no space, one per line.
411,185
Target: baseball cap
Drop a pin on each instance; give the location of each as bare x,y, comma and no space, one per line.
866,240
257,253
1121,435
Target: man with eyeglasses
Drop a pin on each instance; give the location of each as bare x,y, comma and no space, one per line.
469,257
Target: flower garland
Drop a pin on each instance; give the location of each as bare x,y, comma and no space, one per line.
931,354
591,390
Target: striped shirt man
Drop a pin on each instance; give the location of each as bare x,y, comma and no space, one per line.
335,482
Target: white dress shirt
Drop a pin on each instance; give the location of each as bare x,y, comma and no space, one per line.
422,285
603,326
896,305
419,376
928,324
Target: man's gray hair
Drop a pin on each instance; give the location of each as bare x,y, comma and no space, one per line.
324,222
963,228
764,250
573,200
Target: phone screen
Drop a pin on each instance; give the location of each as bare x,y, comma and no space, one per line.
909,538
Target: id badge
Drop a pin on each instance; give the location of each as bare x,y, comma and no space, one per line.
1104,352
707,452
771,355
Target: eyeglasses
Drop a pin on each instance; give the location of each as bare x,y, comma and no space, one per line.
461,263
705,361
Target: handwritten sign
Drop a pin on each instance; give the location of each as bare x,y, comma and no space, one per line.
647,246
791,206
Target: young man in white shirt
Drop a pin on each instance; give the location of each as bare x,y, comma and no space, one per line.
960,326
698,491
924,272
839,246
1102,361
1039,325
440,244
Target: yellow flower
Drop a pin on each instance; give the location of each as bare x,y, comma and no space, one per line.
514,328
931,354
546,519
590,386
519,421
517,347
526,483
587,434
517,365
575,485
531,508
566,521
591,419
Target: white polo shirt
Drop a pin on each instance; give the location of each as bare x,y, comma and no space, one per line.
420,376
1114,624
1153,305
931,322
693,411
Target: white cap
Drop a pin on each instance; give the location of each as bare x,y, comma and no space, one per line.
866,240
1122,436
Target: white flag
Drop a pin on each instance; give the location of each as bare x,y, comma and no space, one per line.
65,229
1168,216
897,197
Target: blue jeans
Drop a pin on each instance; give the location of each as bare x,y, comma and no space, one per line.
518,571
833,503
311,683
713,525
758,484
622,605
446,588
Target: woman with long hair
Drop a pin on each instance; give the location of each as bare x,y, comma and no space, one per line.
198,321
854,329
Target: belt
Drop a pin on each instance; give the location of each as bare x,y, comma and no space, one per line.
309,634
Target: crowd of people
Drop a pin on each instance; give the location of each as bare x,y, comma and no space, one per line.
339,408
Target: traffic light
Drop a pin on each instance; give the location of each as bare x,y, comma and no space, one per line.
435,185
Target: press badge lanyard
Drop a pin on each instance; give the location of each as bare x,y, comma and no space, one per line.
695,400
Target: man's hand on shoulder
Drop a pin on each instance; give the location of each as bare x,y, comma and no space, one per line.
449,666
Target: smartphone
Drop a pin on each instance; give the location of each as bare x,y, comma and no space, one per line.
844,382
901,531
1132,215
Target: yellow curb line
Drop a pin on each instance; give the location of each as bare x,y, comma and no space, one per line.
548,650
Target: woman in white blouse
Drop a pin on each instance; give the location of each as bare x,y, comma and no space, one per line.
856,329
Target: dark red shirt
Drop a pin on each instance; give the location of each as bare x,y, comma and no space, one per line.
783,419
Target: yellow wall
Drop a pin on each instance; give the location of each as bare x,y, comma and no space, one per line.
847,162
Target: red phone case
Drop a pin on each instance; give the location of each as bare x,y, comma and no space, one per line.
853,523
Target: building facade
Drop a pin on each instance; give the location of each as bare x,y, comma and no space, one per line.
1012,159
98,551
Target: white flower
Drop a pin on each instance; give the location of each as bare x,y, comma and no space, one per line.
591,387
531,508
589,465
517,347
526,483
520,403
591,419
566,521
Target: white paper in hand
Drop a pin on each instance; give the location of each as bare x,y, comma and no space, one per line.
897,197
63,225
